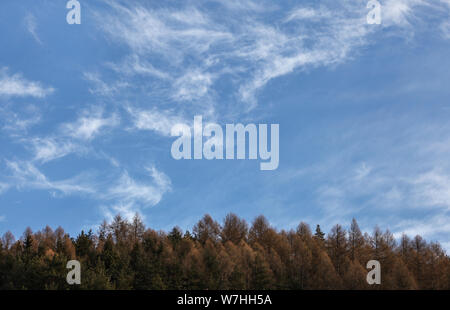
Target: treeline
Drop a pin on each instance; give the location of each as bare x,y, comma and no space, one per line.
127,255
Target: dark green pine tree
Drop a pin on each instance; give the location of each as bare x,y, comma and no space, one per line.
83,243
320,235
175,236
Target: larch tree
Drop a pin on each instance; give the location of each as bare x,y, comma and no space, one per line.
207,229
234,229
337,247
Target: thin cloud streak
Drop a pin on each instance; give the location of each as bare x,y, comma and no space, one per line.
17,86
31,25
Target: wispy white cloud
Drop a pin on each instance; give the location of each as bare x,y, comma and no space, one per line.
156,120
445,28
172,37
403,13
239,42
193,85
132,65
248,5
168,33
307,13
126,210
17,124
123,194
129,190
2,218
26,175
89,125
4,187
31,25
102,88
399,195
131,196
362,171
426,227
252,51
17,86
414,15
71,137
48,149
191,51
432,189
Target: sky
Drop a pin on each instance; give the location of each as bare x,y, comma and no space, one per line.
86,112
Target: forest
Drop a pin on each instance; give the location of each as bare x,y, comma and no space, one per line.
125,255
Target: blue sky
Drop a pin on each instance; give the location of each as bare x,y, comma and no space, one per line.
86,112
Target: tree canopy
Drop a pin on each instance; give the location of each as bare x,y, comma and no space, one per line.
127,255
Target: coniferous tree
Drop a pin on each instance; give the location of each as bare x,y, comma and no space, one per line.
125,255
234,229
356,241
337,248
207,229
319,235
